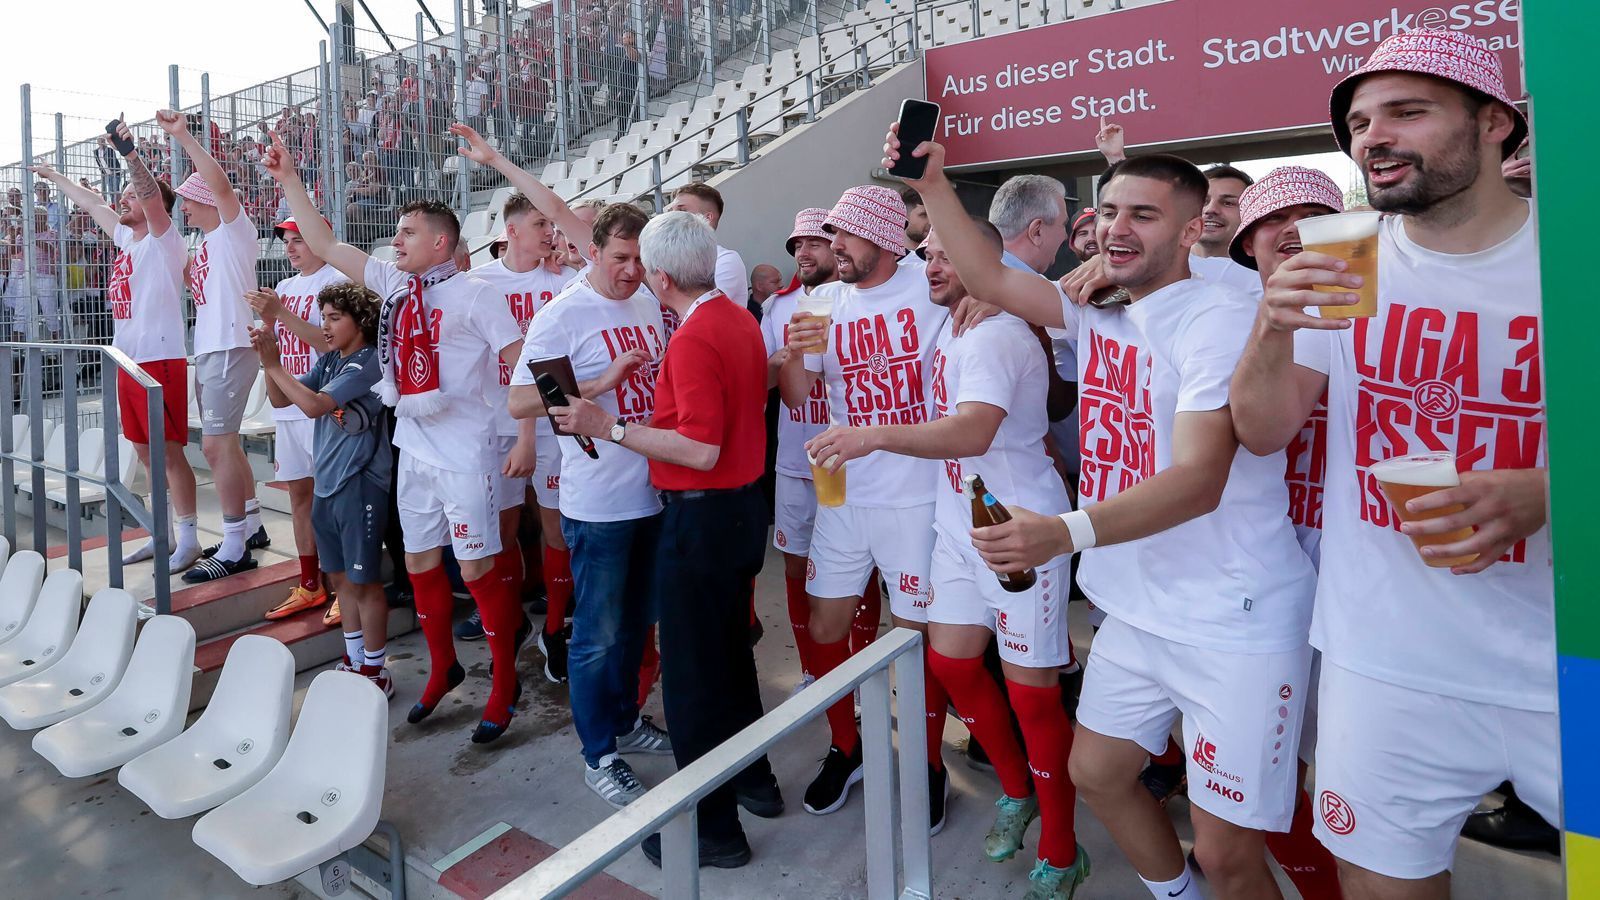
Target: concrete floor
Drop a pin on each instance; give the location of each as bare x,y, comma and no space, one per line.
88,838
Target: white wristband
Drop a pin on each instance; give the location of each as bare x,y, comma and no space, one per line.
1080,528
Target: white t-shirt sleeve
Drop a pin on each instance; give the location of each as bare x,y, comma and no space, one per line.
1313,348
240,234
769,331
383,278
988,368
731,277
490,318
172,246
546,338
1206,355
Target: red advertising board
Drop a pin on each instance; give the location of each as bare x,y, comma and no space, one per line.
1177,71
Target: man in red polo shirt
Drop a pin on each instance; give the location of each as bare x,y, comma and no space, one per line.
707,449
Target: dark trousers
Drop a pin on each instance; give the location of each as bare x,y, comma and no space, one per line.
711,548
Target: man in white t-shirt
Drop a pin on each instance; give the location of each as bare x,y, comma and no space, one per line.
527,285
145,296
225,365
610,329
1210,259
986,392
705,201
1462,654
294,314
438,333
878,345
794,496
1215,638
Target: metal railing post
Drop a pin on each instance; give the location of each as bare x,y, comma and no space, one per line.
63,310
680,855
175,152
641,92
205,111
8,444
69,420
109,422
33,384
708,71
421,157
742,126
913,36
463,7
329,121
977,19
878,783
333,192
655,179
811,97
863,66
557,16
29,249
766,30
813,18
912,722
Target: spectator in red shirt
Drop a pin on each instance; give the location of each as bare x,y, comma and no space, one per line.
707,450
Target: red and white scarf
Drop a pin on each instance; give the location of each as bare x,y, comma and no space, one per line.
406,351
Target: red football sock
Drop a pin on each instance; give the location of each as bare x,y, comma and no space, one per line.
1303,858
937,703
982,706
508,568
557,587
432,592
501,611
794,591
1172,756
869,612
841,715
649,666
1049,736
310,573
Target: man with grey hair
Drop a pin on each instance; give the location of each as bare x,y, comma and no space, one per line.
707,449
1030,212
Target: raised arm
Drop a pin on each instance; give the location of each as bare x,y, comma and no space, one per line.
146,189
177,125
1023,294
83,198
543,199
318,236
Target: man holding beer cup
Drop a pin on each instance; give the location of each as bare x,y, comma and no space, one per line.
1456,644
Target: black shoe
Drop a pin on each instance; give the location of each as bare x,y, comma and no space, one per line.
764,800
727,854
554,648
977,758
212,569
1164,782
1514,826
536,602
258,541
455,676
470,628
831,788
938,792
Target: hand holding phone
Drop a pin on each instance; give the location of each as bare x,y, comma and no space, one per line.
554,396
919,120
114,129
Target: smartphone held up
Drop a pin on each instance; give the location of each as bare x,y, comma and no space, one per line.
919,121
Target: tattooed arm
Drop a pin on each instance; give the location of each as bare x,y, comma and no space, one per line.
146,190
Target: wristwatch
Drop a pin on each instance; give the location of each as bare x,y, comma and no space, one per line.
619,430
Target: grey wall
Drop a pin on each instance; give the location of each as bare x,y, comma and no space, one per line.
810,166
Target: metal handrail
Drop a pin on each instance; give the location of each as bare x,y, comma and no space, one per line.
119,498
671,806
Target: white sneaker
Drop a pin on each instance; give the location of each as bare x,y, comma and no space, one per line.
614,782
646,737
806,680
145,553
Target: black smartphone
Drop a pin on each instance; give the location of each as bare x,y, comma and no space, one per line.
918,121
554,396
124,146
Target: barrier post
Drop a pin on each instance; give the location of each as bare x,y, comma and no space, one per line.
463,7
29,249
708,71
641,93
63,311
333,192
557,16
423,155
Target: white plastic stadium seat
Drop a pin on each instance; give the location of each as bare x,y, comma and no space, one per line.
322,798
21,440
635,183
146,708
598,148
55,455
127,473
723,147
19,588
233,744
87,672
384,253
5,553
554,171
91,461
475,225
45,639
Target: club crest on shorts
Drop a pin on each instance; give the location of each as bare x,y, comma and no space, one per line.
1336,813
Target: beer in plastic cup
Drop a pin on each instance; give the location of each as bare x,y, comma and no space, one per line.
829,485
815,307
1406,478
1352,237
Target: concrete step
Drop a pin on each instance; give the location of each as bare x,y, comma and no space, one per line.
313,644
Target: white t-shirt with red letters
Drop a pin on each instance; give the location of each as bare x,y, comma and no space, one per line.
146,295
1234,579
1000,363
223,271
809,419
1451,362
298,294
525,294
593,330
471,325
876,372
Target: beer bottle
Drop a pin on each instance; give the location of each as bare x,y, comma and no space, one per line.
986,511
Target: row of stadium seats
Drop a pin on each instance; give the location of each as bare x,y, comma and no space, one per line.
279,803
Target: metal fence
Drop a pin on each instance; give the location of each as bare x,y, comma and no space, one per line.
670,806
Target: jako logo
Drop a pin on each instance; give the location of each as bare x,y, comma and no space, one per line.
1016,645
1205,752
1224,791
1037,773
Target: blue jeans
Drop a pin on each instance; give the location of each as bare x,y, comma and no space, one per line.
613,608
